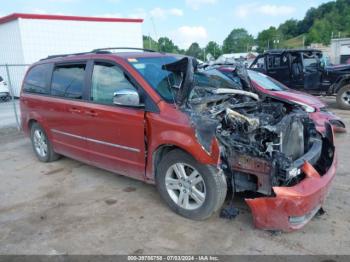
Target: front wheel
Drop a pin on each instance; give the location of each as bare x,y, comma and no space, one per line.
189,188
343,97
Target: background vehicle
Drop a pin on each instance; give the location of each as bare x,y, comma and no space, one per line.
4,91
303,70
155,117
315,107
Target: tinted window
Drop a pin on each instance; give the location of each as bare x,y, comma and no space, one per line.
36,79
68,81
106,79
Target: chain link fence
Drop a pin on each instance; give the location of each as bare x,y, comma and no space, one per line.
10,87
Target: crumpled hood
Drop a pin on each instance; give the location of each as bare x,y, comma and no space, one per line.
300,97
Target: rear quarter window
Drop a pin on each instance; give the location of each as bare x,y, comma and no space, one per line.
68,81
36,80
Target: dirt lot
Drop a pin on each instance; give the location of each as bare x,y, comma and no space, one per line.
67,207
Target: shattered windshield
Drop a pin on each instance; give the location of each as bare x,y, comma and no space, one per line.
161,80
265,81
164,82
215,79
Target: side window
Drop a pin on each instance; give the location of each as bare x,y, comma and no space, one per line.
260,63
106,79
68,81
277,61
36,79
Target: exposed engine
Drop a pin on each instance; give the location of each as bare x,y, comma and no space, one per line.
264,142
258,138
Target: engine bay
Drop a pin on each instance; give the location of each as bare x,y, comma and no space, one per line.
259,139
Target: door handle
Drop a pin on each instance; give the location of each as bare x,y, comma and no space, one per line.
74,110
91,113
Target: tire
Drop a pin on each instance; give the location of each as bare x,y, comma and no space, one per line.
343,97
212,184
41,144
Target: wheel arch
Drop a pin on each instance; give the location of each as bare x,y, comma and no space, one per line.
194,150
159,153
342,81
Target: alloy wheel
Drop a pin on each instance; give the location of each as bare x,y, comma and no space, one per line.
40,143
346,96
185,186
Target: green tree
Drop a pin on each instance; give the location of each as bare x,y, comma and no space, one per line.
266,37
320,32
166,45
289,29
213,48
194,50
239,40
150,43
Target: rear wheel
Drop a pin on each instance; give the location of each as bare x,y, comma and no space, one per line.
41,145
189,188
343,97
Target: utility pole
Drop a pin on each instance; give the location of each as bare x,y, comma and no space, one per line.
149,40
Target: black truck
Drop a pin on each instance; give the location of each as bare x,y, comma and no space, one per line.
306,70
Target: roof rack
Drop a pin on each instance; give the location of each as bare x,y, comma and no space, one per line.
107,49
100,51
280,51
64,55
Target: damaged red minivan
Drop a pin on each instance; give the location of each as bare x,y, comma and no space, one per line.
155,117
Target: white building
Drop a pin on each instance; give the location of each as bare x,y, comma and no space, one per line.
340,50
26,38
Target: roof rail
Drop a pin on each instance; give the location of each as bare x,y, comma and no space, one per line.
63,55
107,49
99,51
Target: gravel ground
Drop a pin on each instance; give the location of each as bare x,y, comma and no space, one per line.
67,207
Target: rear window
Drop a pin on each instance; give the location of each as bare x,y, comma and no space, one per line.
37,78
68,81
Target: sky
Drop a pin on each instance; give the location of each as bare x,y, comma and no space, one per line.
184,21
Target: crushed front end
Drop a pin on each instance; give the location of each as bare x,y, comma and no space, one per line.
270,148
267,146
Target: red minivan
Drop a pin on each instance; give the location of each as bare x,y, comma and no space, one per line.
157,118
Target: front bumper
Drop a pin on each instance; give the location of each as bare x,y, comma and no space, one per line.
322,117
293,207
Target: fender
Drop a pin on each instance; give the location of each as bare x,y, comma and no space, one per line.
32,115
183,138
339,83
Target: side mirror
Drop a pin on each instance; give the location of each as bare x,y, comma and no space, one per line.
126,97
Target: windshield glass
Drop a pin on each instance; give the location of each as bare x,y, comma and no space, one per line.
266,82
162,81
215,79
